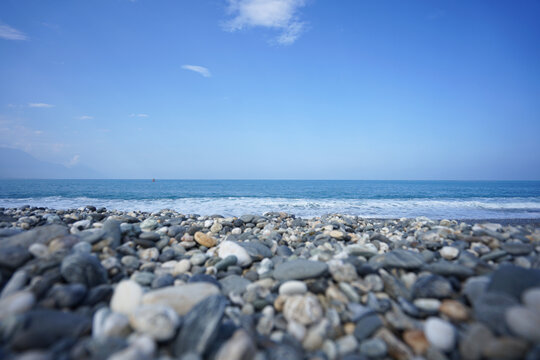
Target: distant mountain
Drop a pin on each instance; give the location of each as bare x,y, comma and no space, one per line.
17,164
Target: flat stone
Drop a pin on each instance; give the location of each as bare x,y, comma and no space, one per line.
181,298
304,309
531,298
416,340
227,248
403,259
126,297
505,348
41,235
83,268
149,236
474,287
455,310
513,280
524,322
293,287
256,250
201,326
373,348
440,333
16,303
366,326
234,284
432,286
300,269
205,239
490,308
474,340
517,249
446,268
69,295
366,250
12,257
157,321
39,329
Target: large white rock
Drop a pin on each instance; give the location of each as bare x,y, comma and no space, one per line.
227,248
157,321
304,309
127,297
440,333
293,287
181,298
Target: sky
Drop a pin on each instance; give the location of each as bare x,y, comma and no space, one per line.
274,89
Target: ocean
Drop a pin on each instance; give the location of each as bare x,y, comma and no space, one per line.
305,198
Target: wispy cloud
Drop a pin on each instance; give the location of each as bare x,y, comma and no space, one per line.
40,105
276,14
198,69
9,33
85,117
139,115
74,161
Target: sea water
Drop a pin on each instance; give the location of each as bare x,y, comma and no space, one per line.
306,198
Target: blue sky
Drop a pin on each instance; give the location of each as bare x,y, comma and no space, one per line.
274,89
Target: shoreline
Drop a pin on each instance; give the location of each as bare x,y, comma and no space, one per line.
167,285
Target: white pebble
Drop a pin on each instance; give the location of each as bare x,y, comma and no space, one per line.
440,333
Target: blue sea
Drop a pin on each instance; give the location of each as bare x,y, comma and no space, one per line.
375,199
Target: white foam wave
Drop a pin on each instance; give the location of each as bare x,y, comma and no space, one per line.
477,208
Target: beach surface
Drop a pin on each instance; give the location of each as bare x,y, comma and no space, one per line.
92,283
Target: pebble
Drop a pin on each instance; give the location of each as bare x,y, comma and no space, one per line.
524,322
205,240
300,270
181,298
228,248
126,297
293,287
373,348
157,321
440,333
83,268
16,303
304,309
449,252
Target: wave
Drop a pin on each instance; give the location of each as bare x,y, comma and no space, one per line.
472,208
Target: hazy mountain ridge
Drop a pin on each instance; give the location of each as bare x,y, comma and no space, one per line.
17,164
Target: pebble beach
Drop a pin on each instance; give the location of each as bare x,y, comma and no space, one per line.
92,283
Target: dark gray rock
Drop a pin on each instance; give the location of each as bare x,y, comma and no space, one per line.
42,235
300,269
446,268
149,236
12,257
39,329
162,281
225,263
432,286
366,326
474,287
200,326
83,268
204,278
403,259
256,250
489,308
284,250
513,280
234,283
100,293
373,348
68,295
113,233
517,248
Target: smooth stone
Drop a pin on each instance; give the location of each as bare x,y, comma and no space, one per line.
505,348
346,345
39,251
157,321
12,257
149,235
126,297
162,281
182,267
474,287
112,233
240,347
68,295
300,269
396,348
205,239
416,340
342,272
366,250
256,250
440,333
432,286
473,341
403,259
149,224
16,303
304,309
201,326
234,284
204,278
15,283
227,248
449,252
531,298
524,322
446,268
490,308
181,298
39,329
42,235
517,249
366,326
427,305
455,310
225,263
83,268
373,348
107,324
513,280
293,287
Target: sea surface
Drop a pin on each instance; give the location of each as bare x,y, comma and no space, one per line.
306,198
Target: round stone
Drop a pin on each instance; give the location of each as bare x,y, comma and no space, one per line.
524,322
157,321
126,297
440,333
304,309
293,287
449,252
205,240
228,248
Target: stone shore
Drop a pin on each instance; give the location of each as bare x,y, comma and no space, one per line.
92,283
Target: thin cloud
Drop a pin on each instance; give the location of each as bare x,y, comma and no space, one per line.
198,69
85,117
139,115
74,161
9,33
274,14
40,105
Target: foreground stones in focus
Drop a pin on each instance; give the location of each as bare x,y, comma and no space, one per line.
93,284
